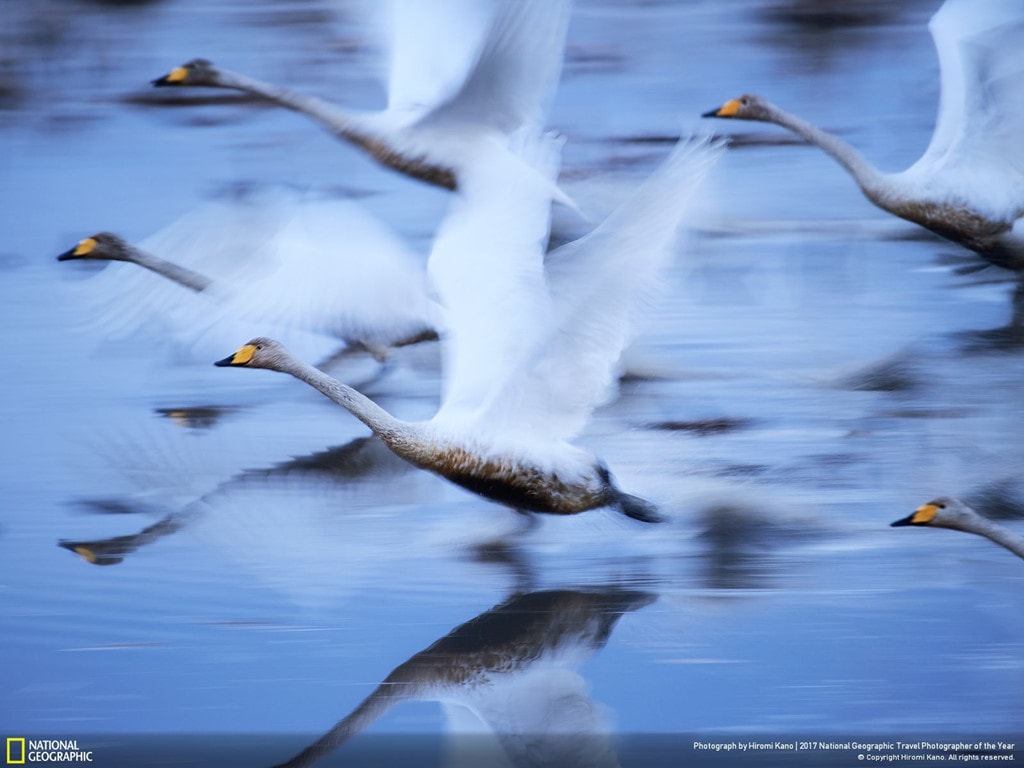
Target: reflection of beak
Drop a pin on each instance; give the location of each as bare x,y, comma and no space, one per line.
68,255
712,113
908,520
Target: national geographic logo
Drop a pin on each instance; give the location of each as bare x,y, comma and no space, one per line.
21,751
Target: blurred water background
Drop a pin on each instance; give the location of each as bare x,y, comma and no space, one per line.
813,370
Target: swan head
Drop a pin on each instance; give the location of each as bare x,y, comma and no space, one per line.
103,246
260,352
195,72
944,512
747,107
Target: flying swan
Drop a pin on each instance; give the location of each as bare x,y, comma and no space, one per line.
952,513
460,71
968,186
531,342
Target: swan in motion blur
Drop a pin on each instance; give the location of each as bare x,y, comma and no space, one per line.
512,668
531,343
968,186
461,71
952,513
320,266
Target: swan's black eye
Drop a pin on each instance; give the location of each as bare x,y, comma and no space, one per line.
744,101
941,505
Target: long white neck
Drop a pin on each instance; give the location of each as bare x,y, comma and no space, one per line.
397,434
872,183
995,533
335,120
179,274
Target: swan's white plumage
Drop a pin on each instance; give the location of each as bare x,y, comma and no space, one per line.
534,340
479,63
277,259
976,143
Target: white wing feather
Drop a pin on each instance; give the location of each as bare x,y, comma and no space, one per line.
533,345
487,266
278,260
980,46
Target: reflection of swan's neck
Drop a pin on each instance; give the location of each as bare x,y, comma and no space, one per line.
372,707
181,275
867,177
995,533
402,437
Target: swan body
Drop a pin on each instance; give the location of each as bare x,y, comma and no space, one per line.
460,72
968,186
565,481
531,341
320,266
952,513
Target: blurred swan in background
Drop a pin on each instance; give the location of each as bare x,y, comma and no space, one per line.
946,512
532,342
969,185
510,668
460,72
320,266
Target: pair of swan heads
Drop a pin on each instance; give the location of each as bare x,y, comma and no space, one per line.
195,72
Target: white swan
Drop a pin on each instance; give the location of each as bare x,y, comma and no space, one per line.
946,512
461,71
531,343
969,185
322,266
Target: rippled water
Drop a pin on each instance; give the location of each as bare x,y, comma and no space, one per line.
813,371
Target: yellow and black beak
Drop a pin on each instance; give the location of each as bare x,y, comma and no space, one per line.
80,251
239,358
176,76
729,109
921,516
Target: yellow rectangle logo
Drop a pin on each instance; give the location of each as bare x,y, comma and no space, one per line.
11,759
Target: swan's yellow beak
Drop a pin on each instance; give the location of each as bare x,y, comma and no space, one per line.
729,109
176,76
921,516
84,248
241,357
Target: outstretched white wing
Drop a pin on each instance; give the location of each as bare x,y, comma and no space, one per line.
492,63
277,260
533,344
487,266
980,46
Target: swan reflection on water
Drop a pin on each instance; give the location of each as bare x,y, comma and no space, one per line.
513,669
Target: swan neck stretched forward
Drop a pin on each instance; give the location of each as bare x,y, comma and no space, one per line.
392,431
996,534
867,177
182,275
350,126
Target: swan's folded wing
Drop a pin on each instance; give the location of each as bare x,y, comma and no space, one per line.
981,105
598,284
